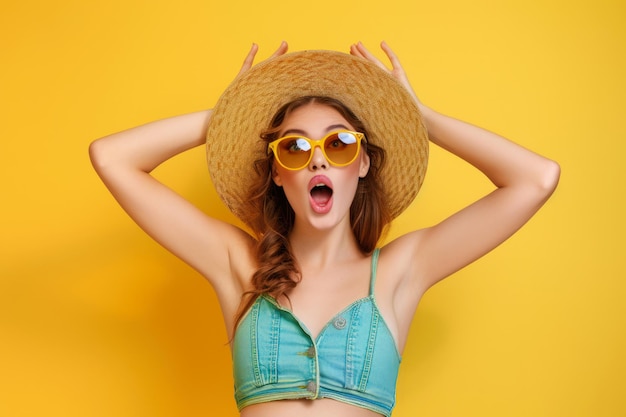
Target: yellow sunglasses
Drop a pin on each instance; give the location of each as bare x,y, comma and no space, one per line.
294,152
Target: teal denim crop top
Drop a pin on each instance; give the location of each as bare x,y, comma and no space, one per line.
354,359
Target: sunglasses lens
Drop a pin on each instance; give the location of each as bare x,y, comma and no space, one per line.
293,152
341,148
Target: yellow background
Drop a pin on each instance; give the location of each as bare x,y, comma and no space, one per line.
97,320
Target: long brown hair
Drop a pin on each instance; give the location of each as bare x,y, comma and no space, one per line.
271,217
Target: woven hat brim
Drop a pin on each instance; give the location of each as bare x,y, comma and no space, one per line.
248,105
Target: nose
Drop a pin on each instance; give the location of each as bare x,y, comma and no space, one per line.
318,161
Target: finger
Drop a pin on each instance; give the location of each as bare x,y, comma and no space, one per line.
247,63
282,48
393,58
365,53
355,51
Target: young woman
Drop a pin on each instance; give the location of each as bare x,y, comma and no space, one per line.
317,152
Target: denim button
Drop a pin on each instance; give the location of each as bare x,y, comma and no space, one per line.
339,323
311,386
311,352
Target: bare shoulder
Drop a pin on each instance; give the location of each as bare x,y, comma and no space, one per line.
228,263
229,257
398,289
398,261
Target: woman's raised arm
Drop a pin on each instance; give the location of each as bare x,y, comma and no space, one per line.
524,180
124,161
221,252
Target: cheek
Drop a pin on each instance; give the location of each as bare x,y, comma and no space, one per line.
289,182
350,181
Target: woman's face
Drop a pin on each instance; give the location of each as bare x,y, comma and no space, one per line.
320,194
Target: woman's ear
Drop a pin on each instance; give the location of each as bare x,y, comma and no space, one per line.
364,166
276,177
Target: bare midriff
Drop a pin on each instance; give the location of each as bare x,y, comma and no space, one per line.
323,407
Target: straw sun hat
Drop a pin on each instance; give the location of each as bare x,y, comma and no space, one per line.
248,105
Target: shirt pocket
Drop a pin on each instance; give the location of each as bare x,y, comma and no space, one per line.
362,330
264,336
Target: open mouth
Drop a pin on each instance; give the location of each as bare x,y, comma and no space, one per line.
321,194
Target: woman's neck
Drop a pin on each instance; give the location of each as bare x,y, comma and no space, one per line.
318,248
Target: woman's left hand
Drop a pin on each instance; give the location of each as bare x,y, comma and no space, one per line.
247,63
397,71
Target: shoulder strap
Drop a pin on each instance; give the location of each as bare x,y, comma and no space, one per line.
373,270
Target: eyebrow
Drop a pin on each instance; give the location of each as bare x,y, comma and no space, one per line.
328,130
